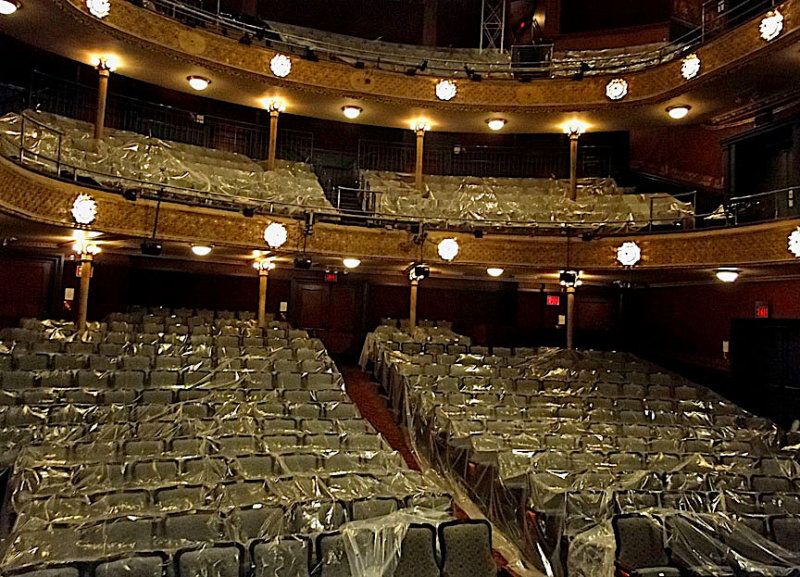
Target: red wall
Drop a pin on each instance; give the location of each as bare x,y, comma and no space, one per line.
688,324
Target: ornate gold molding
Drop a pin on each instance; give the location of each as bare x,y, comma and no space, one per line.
41,199
147,29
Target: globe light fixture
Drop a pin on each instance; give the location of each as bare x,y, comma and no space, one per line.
275,105
105,63
275,235
794,242
446,90
448,249
420,125
84,209
264,264
350,262
678,112
99,8
352,112
616,89
8,7
629,254
496,123
201,249
690,67
771,25
575,128
199,83
280,65
83,245
727,274
570,278
494,271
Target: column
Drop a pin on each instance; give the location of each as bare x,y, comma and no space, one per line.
418,170
263,275
413,312
273,138
573,165
570,315
83,297
103,73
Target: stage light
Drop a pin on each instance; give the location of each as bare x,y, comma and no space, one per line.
629,253
280,65
496,123
771,25
448,249
351,263
8,7
446,90
352,112
690,67
201,249
151,248
198,82
98,8
84,209
275,235
728,274
616,89
494,271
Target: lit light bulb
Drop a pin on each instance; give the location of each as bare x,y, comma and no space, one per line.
201,250
198,82
351,262
496,123
494,271
351,112
678,112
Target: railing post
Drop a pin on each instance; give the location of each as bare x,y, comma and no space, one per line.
651,214
22,138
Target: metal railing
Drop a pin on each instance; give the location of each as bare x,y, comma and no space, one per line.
79,101
717,16
770,205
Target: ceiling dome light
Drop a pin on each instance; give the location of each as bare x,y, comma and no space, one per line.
275,235
771,25
280,65
198,82
84,209
690,67
448,249
201,249
446,90
678,112
496,123
616,89
728,274
352,112
8,7
99,8
351,262
629,253
494,271
794,242
420,125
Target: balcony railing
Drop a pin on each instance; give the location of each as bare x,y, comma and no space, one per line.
526,62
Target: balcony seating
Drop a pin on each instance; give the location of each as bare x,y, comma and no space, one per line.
124,159
462,199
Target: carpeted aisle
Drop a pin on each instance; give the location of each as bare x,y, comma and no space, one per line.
373,408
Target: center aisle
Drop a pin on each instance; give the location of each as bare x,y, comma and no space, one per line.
374,408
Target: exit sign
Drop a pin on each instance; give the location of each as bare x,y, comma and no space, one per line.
762,310
553,300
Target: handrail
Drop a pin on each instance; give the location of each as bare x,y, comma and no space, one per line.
434,63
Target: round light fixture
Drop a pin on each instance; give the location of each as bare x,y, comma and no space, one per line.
352,112
275,235
275,105
728,274
8,7
201,249
575,128
198,82
678,112
794,242
771,25
629,253
446,90
448,249
351,262
690,67
84,209
105,63
98,8
420,125
494,271
616,89
496,123
264,264
280,65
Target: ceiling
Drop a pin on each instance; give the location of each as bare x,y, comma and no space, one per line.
41,24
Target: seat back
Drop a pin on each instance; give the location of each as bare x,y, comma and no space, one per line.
467,549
